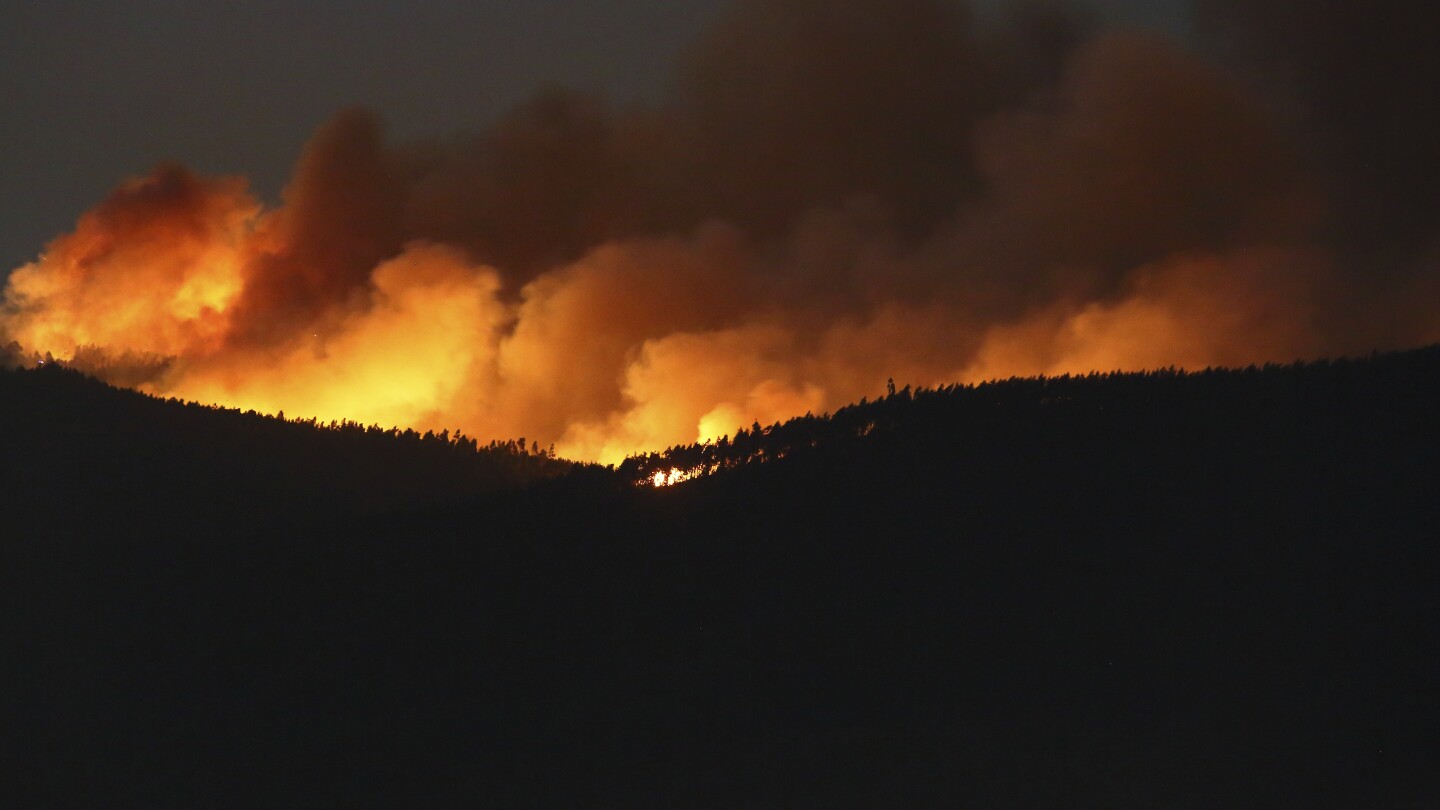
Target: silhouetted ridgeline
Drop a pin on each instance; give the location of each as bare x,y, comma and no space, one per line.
963,422
89,456
1125,591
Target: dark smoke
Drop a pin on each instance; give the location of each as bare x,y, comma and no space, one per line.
1364,77
830,195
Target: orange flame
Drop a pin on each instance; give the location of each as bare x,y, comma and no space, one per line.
622,283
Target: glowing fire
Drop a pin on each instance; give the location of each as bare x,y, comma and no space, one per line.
615,282
670,477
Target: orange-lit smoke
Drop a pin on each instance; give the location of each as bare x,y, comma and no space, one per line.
826,201
154,270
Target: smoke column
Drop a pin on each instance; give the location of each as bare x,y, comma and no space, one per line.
828,197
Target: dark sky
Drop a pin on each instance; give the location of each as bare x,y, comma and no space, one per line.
95,92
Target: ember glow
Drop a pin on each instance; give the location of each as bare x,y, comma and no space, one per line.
825,202
666,478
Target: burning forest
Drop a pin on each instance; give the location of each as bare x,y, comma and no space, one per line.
824,199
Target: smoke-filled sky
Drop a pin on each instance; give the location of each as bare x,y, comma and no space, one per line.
620,226
94,92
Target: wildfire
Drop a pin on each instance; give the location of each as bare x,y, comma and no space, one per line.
665,478
619,281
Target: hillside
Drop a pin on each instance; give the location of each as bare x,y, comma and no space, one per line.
1161,589
86,456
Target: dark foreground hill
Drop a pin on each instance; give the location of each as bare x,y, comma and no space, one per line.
83,457
1161,590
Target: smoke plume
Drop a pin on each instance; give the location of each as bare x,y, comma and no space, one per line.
828,197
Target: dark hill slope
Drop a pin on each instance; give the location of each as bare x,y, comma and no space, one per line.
1136,591
81,456
1021,421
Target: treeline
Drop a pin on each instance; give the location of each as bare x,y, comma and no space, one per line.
131,367
962,418
356,430
1129,591
69,440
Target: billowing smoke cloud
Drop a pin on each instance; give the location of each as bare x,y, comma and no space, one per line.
1362,81
831,196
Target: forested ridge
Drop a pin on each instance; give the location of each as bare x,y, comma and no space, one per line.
1027,414
1138,590
82,453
